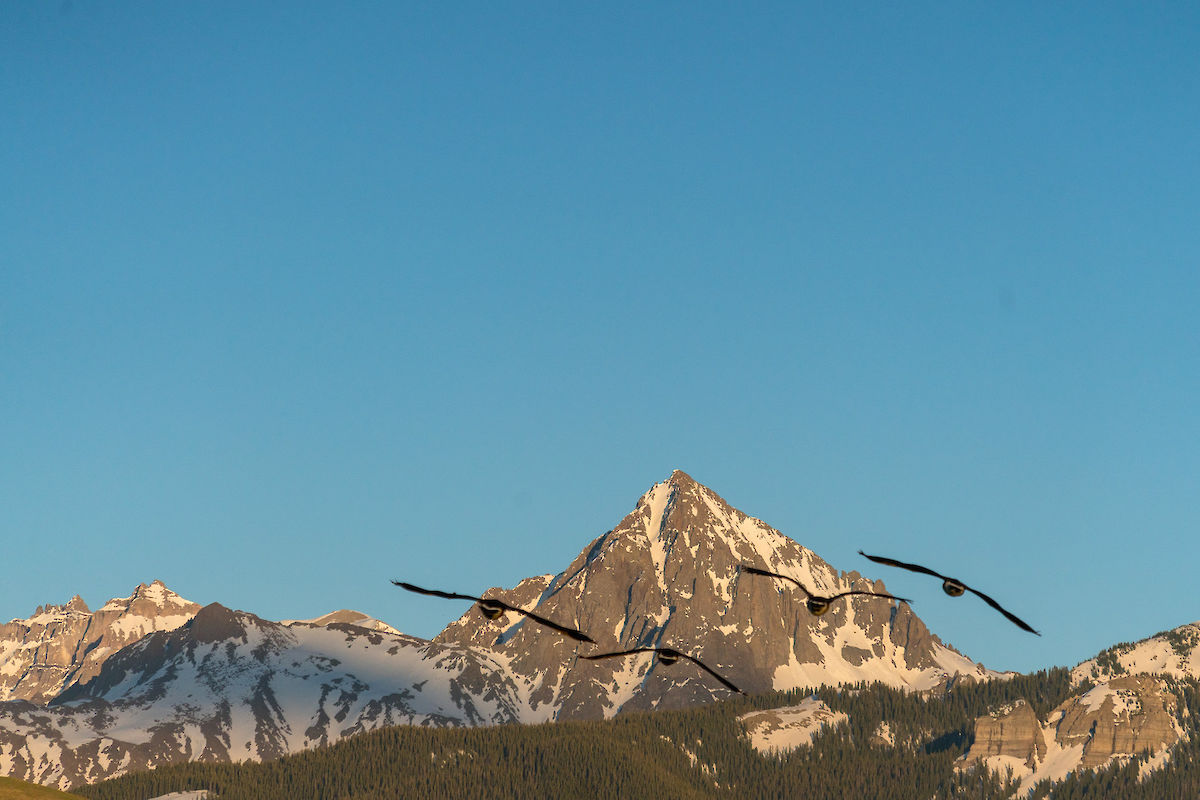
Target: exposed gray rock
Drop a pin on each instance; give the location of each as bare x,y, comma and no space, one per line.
1115,719
62,645
668,576
1012,731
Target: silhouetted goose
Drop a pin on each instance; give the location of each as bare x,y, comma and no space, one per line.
951,586
817,604
668,657
492,608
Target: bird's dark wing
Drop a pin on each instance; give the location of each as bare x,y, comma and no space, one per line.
705,667
871,594
891,562
695,661
578,636
1020,623
435,592
622,653
757,571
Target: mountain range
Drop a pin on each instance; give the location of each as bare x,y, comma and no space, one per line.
153,678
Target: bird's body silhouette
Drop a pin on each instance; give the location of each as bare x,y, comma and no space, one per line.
492,608
816,604
667,656
951,586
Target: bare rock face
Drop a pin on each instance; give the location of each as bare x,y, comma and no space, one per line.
669,575
1121,717
1012,731
477,630
1113,720
62,645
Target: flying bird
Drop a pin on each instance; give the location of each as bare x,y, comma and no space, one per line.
951,586
492,608
817,604
668,657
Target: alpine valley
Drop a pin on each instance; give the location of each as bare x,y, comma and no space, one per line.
153,679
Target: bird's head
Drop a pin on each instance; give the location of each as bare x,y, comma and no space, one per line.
817,605
668,657
490,609
953,588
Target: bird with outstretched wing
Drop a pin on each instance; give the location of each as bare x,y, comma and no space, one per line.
951,586
667,656
817,604
492,608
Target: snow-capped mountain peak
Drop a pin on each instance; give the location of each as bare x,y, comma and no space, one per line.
669,575
175,680
61,645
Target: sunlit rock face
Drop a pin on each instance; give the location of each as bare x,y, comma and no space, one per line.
1013,731
1121,717
668,576
62,645
1112,720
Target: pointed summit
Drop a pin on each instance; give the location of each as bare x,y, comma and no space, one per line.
678,477
43,655
215,623
670,575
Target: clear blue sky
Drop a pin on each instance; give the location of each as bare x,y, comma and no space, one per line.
298,298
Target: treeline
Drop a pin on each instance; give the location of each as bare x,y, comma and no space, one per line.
697,753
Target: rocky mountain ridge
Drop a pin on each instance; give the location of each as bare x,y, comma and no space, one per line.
64,645
229,686
669,575
226,685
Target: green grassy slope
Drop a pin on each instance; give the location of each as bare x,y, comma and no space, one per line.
13,789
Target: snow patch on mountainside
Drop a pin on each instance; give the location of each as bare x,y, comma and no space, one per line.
780,730
1113,721
260,691
344,617
227,685
61,645
658,500
1175,653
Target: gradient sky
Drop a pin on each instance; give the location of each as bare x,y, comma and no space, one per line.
297,298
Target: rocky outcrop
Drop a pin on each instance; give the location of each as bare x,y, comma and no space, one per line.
1112,720
62,645
1121,717
1013,731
